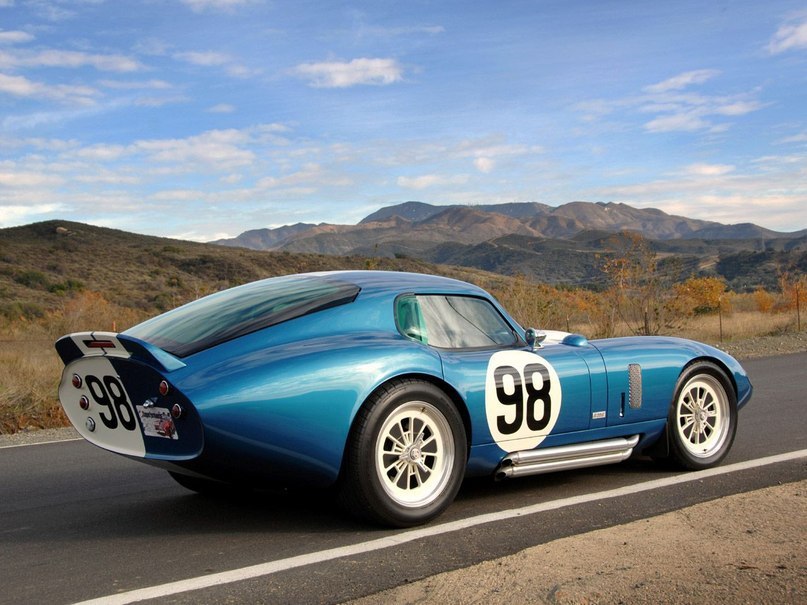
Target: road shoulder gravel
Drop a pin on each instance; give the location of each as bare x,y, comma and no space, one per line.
746,548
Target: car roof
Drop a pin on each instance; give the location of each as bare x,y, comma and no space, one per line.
370,281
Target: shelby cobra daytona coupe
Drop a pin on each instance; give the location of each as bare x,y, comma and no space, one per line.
391,387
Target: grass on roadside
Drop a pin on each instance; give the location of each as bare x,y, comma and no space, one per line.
29,379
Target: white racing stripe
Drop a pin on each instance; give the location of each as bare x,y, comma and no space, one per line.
264,569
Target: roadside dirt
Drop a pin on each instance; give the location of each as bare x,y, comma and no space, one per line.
747,548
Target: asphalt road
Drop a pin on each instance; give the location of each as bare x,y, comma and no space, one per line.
77,523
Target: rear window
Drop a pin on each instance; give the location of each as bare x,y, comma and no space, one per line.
236,312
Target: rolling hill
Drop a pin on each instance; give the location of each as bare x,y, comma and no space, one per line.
553,245
42,263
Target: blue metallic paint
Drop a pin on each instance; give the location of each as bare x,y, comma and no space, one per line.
278,404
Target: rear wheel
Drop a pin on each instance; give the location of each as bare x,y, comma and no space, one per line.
703,417
406,455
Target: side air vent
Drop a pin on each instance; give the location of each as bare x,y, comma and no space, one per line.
635,385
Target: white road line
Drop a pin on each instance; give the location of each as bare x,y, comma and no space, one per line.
264,569
6,447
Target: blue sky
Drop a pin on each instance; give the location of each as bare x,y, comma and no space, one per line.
201,119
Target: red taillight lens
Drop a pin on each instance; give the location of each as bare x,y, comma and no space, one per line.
164,388
77,382
177,411
99,344
84,403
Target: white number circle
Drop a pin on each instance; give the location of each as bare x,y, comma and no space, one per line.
522,399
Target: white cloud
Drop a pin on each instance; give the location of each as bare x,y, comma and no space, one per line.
107,177
153,101
790,36
38,143
216,59
683,80
68,59
28,179
685,121
691,113
221,108
99,153
796,138
215,5
738,108
486,152
311,176
430,180
485,165
708,169
14,37
219,149
676,110
768,191
231,179
387,32
136,84
19,86
20,214
152,46
204,58
336,74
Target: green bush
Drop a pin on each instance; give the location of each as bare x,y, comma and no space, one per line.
32,279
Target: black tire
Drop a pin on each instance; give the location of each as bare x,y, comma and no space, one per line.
405,457
702,421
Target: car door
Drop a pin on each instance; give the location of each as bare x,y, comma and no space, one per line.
516,397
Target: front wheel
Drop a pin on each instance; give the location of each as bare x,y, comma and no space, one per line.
703,417
406,455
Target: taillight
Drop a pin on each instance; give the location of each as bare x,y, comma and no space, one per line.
84,403
99,344
164,388
177,411
77,382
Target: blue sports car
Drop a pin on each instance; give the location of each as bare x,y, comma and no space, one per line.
390,387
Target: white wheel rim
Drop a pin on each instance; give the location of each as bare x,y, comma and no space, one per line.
702,416
414,454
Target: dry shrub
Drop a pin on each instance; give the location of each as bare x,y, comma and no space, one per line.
29,379
764,300
89,311
30,369
737,326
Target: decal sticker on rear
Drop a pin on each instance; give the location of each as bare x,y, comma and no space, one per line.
522,399
96,402
157,422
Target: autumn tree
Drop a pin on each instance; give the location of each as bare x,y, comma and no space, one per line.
763,299
702,295
794,292
638,292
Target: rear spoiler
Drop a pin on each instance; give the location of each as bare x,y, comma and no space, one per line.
111,344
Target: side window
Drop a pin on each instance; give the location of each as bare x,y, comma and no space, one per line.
453,322
410,319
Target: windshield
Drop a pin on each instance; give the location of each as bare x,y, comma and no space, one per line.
231,313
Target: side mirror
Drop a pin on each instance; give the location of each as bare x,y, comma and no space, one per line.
534,338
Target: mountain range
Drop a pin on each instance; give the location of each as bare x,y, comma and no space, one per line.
561,244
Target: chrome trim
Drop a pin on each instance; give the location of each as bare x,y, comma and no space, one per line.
566,457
